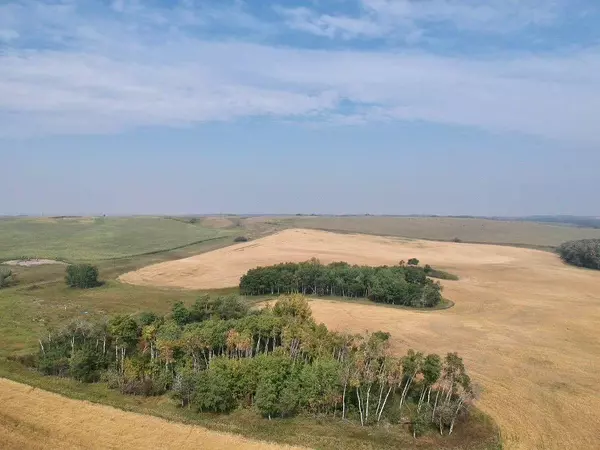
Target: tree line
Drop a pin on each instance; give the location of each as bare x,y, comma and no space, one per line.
218,355
404,284
582,253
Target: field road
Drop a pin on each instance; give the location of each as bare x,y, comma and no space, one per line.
525,323
34,419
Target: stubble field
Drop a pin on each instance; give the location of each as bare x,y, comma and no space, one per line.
35,419
524,322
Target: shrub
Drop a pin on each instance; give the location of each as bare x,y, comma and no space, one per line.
413,262
6,277
83,276
583,253
241,239
456,240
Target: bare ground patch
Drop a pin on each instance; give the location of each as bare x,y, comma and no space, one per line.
31,262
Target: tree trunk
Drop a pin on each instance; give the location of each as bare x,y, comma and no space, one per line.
42,346
455,415
379,402
404,392
362,422
344,400
367,404
384,402
435,404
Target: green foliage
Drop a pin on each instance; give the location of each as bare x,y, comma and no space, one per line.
86,364
399,285
413,262
583,253
6,277
180,314
82,276
213,391
276,361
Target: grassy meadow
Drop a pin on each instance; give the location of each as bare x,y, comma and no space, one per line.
97,238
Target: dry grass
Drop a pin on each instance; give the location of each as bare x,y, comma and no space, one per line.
525,323
35,419
487,231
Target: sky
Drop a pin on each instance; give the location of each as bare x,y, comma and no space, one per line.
331,107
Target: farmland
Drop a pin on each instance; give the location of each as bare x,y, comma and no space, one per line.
523,320
528,234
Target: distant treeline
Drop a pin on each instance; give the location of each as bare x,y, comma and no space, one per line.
583,253
407,285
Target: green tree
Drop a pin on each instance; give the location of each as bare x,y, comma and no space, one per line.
83,276
180,314
6,277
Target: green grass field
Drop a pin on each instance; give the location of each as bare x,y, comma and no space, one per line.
528,234
92,239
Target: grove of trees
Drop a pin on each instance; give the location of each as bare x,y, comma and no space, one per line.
83,276
218,355
407,285
582,253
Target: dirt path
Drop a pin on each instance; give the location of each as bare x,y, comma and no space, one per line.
526,324
34,419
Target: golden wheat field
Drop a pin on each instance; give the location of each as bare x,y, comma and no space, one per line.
525,323
34,419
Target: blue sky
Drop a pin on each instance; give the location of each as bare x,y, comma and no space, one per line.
339,106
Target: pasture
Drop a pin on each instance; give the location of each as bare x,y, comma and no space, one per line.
524,321
97,238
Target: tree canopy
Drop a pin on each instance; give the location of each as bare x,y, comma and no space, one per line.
582,253
83,276
399,285
217,356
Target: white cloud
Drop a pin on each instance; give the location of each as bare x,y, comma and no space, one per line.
405,18
113,76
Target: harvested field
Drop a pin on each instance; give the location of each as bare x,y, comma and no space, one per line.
36,419
525,323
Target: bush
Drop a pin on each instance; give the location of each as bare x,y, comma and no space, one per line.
83,276
583,253
6,277
241,239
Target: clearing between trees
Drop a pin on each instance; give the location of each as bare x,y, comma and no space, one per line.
524,321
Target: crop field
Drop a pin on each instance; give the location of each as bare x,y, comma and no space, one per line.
525,323
437,228
91,239
26,423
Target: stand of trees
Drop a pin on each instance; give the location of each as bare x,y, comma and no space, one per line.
407,285
218,356
583,253
82,276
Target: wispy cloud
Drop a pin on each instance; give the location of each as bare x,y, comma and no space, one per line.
379,18
111,73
